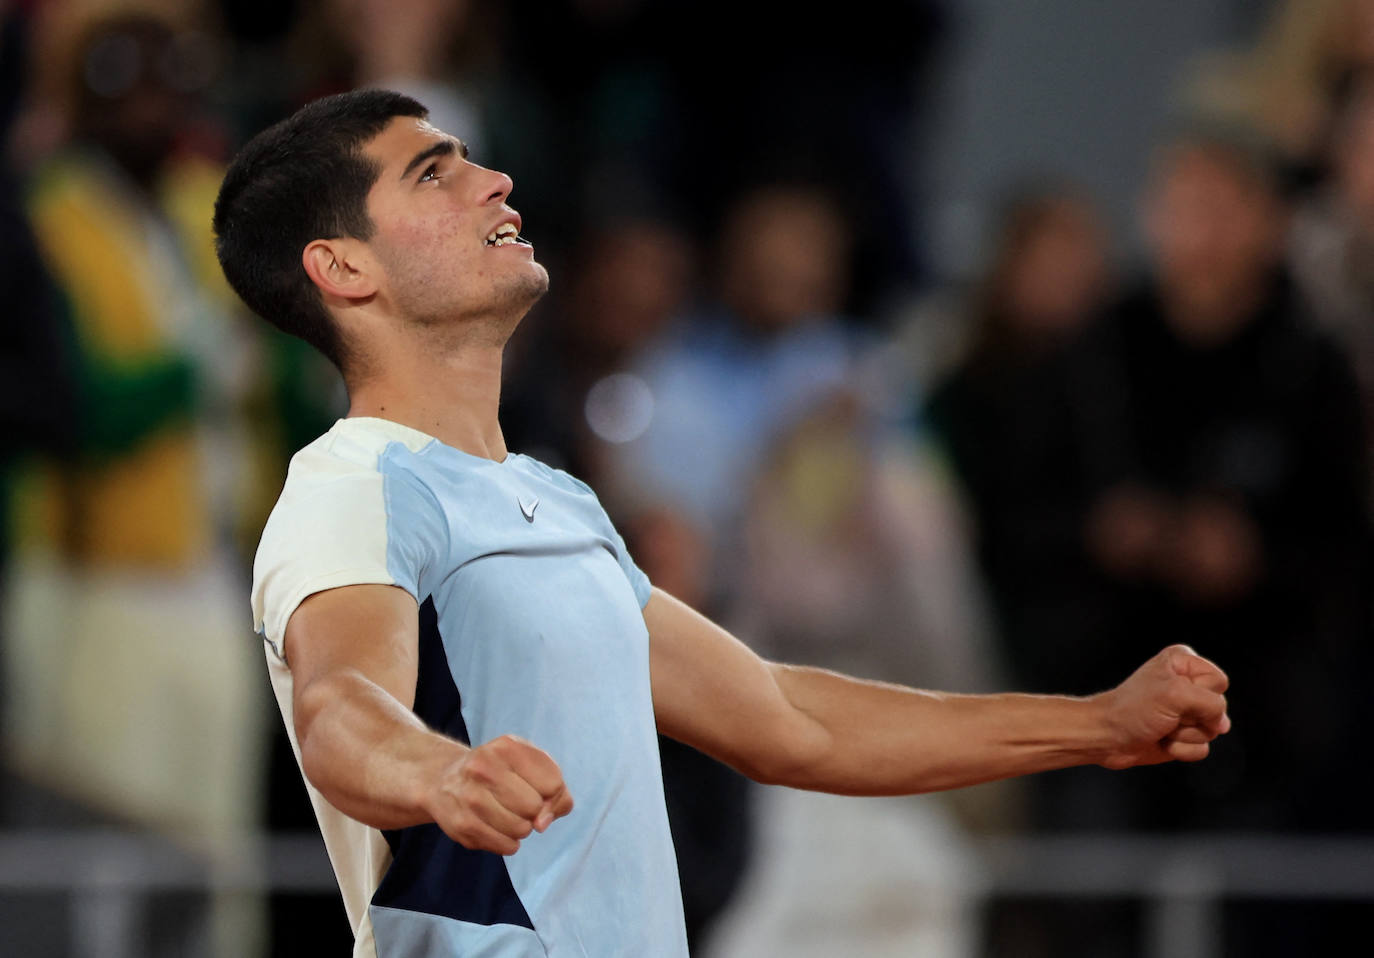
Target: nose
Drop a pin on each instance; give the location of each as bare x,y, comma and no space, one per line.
495,186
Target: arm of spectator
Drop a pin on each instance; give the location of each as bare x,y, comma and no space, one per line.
814,729
353,653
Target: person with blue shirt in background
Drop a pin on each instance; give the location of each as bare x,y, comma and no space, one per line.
463,651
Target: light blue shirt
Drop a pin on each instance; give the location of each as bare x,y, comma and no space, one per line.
531,624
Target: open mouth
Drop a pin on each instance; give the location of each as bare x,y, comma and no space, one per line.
505,235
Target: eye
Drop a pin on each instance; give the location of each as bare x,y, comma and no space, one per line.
431,172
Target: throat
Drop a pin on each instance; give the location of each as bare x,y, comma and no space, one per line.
454,397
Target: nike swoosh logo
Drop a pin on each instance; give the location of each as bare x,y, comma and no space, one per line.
528,510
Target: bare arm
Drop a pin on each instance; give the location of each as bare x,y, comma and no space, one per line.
353,654
814,729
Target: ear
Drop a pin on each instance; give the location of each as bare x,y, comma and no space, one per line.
341,269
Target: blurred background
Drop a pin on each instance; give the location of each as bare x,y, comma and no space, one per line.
965,344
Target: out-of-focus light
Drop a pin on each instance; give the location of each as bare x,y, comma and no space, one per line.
619,407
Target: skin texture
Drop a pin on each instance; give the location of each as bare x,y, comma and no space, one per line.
428,306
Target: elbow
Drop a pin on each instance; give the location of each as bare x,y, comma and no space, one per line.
309,706
794,755
771,770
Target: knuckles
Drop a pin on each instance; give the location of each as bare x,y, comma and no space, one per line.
508,745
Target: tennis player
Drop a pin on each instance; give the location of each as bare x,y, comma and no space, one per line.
469,664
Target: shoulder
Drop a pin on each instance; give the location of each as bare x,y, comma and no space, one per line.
356,471
354,449
350,512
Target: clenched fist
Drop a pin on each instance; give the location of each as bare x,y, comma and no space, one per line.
494,795
1170,708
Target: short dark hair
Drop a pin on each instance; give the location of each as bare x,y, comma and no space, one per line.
303,179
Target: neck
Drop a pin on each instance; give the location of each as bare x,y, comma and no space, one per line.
452,395
1212,314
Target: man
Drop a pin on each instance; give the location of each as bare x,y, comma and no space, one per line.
461,646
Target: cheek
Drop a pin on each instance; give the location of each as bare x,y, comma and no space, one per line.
436,232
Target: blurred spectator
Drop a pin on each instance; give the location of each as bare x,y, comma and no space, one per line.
1189,469
1239,520
763,463
1016,419
137,688
1240,516
726,382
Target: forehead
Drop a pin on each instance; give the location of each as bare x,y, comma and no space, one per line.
1207,167
401,141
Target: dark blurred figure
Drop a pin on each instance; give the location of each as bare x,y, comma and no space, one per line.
36,402
1239,519
1025,444
1020,421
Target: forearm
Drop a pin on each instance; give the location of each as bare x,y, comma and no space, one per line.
368,754
808,728
870,738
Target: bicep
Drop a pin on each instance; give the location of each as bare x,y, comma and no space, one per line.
370,631
712,692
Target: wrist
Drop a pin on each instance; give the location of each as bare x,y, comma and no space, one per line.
436,765
1106,736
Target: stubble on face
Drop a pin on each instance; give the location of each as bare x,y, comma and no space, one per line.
482,309
432,209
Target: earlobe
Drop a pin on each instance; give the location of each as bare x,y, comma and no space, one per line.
337,270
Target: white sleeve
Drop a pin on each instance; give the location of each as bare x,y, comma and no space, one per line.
333,528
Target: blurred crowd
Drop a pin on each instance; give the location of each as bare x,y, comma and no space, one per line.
1030,478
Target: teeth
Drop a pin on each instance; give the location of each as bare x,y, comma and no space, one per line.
503,235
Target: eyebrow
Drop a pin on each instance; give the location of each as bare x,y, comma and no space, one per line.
444,147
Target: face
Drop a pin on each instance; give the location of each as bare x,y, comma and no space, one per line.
445,239
1059,274
784,259
1213,227
136,93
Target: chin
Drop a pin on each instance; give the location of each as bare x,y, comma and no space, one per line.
535,282
521,292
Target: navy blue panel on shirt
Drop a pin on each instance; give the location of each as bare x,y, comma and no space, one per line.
430,873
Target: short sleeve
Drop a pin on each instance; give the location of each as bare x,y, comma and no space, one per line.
639,582
338,524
